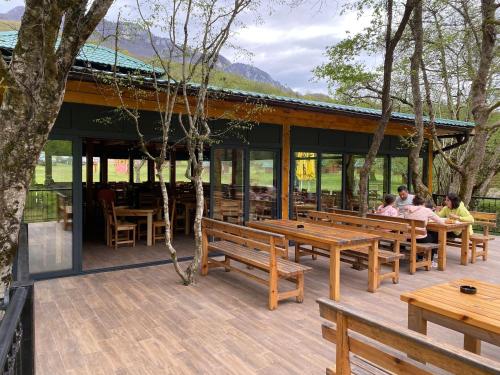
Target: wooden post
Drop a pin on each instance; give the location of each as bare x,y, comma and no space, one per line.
89,155
285,172
151,170
343,364
430,162
104,169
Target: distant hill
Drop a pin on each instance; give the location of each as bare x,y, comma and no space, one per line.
136,42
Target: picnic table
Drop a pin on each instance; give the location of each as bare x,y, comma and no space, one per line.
334,240
442,229
477,316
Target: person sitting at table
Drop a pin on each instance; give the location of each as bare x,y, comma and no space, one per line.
404,199
418,211
455,209
387,208
106,194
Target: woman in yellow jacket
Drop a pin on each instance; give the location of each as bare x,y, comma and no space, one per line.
455,209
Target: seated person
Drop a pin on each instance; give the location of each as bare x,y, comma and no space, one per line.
404,199
455,209
419,212
387,209
106,194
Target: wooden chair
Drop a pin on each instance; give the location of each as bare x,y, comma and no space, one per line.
477,240
159,225
118,227
254,248
380,347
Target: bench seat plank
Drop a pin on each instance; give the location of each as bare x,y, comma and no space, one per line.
256,258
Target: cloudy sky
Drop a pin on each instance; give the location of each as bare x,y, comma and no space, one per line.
287,42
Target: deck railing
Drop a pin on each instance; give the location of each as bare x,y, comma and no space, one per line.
41,204
482,204
17,332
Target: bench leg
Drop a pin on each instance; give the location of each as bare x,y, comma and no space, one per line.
395,269
273,289
204,255
300,287
473,249
297,252
485,250
227,262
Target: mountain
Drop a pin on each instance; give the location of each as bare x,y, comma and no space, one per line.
135,41
15,14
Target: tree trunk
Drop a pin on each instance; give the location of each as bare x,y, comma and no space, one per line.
417,30
480,109
391,42
34,84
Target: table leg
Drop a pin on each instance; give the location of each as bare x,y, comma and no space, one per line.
465,246
417,323
150,230
334,273
472,344
373,267
442,249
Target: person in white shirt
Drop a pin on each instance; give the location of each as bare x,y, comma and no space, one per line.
404,199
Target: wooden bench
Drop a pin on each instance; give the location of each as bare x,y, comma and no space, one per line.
392,235
411,248
477,240
255,248
380,347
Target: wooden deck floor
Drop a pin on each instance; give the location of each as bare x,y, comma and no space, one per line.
143,321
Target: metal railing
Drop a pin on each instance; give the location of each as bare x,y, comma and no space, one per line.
41,204
16,332
482,204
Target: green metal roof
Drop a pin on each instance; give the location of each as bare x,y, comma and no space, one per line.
105,57
92,54
339,107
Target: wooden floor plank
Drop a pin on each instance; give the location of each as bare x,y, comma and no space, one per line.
144,321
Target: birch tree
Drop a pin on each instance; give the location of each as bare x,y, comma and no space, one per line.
33,84
196,32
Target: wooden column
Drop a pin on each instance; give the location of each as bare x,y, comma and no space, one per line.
89,155
151,170
104,169
430,161
285,172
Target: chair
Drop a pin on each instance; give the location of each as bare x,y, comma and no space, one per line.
159,225
107,221
120,226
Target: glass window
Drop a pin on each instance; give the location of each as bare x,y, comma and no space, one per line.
49,211
140,170
165,172
205,174
377,182
263,185
180,171
228,185
96,167
399,173
118,170
304,188
331,181
354,163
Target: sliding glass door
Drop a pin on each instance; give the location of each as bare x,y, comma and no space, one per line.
49,210
263,189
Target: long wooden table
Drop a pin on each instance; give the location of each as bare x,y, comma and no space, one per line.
139,212
333,239
442,230
477,316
